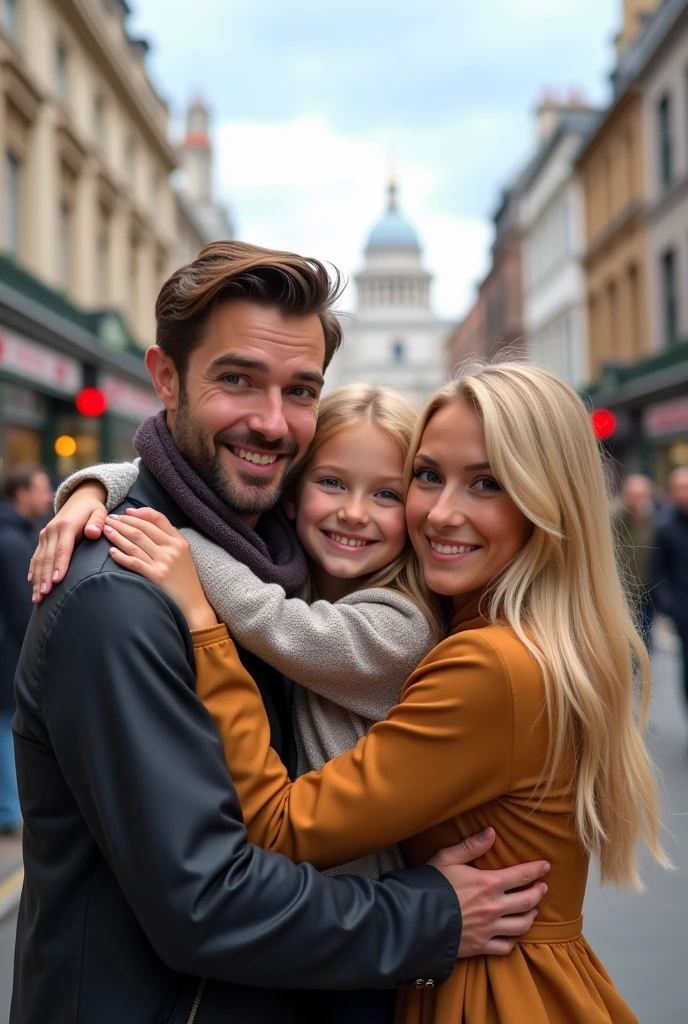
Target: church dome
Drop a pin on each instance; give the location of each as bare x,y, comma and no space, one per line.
393,231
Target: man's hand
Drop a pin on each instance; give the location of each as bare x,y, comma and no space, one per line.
497,907
83,513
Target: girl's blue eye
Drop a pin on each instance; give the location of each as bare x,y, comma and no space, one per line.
490,482
388,495
428,476
330,481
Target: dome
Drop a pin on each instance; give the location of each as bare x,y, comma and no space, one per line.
393,231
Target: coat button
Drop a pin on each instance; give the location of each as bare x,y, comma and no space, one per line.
430,983
420,983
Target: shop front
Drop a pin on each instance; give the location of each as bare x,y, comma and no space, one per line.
649,400
50,353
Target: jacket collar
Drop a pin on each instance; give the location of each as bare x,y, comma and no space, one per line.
147,491
10,517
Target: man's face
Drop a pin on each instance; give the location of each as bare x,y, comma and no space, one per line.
246,412
37,500
637,495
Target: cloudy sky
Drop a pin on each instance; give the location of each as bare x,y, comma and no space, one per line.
313,101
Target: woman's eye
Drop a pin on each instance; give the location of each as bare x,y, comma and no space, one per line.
490,484
428,476
388,495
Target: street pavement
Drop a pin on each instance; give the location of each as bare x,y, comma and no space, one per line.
641,939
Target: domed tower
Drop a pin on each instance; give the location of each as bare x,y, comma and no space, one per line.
395,338
393,277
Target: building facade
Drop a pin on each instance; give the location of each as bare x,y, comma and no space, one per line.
395,338
87,227
646,385
554,299
495,321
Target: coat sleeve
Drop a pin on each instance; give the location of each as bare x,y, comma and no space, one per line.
116,477
357,652
446,748
146,768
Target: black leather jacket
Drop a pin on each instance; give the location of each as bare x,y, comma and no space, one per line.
139,880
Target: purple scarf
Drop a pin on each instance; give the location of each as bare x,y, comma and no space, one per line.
275,556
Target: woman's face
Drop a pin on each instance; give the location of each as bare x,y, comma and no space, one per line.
465,529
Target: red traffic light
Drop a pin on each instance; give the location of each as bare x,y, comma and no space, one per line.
603,423
91,402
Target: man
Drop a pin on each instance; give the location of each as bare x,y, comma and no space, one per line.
139,880
635,515
26,494
670,564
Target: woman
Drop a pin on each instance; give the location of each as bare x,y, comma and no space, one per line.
522,718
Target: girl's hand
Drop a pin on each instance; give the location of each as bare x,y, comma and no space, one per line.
147,543
83,513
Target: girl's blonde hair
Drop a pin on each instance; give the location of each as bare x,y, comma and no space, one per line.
563,597
350,406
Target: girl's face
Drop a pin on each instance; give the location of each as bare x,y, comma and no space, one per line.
350,506
465,529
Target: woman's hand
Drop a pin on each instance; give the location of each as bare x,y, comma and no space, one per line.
147,543
83,513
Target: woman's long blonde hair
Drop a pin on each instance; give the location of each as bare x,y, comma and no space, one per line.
350,406
562,595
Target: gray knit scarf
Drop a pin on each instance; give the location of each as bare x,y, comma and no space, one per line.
272,551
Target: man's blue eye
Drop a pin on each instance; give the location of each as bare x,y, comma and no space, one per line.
234,378
302,392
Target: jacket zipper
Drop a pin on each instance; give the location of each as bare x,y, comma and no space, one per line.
197,1003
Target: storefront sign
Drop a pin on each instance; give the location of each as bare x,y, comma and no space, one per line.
666,418
124,399
39,364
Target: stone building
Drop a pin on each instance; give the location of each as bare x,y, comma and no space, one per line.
495,321
554,295
395,338
87,226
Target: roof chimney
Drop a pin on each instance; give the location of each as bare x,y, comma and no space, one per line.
635,16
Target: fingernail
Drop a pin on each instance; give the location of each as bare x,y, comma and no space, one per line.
44,588
56,574
33,597
113,516
30,577
108,529
547,866
484,835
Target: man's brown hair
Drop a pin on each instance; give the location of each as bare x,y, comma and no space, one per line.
236,270
19,477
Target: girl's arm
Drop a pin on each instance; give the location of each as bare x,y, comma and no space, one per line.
116,477
357,652
446,748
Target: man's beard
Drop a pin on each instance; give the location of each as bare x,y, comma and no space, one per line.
252,495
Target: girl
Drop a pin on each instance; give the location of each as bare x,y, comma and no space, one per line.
371,621
522,718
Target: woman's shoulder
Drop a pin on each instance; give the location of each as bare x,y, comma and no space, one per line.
496,648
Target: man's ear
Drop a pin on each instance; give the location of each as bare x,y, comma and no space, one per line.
164,376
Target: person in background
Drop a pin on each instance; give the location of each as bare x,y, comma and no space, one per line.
669,569
25,494
635,515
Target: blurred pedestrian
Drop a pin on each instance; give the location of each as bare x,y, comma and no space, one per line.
25,494
635,513
670,564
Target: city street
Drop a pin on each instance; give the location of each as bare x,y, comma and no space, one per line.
641,939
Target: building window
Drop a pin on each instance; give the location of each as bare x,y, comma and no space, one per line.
634,292
12,203
664,138
99,121
398,351
65,245
670,298
10,17
102,265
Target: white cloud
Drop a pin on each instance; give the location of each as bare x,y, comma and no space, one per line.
305,187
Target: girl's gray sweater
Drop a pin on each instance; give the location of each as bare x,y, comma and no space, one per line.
350,659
